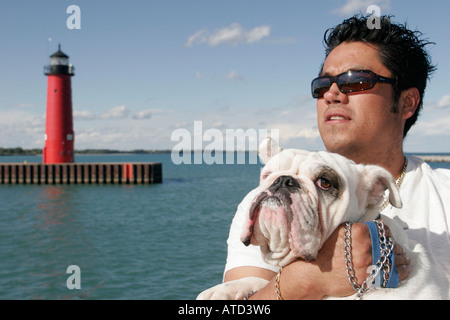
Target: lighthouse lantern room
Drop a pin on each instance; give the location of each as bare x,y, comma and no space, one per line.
59,135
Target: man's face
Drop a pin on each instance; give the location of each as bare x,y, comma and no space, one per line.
353,124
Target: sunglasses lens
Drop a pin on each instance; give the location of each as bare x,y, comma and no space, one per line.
319,86
351,81
355,81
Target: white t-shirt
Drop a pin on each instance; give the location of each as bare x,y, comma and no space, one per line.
425,195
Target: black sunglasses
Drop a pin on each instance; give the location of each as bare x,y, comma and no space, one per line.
349,81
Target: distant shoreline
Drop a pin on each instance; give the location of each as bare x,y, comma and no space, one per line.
434,158
429,157
38,152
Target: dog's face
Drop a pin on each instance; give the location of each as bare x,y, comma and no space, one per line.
305,196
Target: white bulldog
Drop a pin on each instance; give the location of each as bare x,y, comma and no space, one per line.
304,196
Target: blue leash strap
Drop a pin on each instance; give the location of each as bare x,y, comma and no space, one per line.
376,254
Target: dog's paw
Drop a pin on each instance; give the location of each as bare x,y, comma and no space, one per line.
233,290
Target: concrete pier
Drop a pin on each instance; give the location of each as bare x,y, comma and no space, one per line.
81,173
434,158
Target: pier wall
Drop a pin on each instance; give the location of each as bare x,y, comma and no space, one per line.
80,173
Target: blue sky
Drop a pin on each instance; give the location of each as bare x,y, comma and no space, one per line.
147,68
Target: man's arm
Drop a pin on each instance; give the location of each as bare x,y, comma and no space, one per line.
243,272
325,276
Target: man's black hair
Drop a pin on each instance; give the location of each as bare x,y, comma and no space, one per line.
401,51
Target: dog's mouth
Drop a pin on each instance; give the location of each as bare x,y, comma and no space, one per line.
253,215
266,200
285,224
275,203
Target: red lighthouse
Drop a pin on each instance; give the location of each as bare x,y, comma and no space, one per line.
59,135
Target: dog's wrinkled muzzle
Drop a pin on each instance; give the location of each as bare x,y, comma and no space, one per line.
283,220
275,198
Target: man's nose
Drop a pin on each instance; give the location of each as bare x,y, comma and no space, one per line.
334,95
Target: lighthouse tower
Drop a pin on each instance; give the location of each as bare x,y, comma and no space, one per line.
59,135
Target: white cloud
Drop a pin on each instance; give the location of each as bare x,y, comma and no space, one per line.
296,133
355,6
149,113
438,126
233,75
102,137
21,128
309,133
23,105
143,114
152,128
444,102
83,115
231,35
198,37
256,34
198,75
119,112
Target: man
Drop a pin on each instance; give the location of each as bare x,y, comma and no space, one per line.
369,94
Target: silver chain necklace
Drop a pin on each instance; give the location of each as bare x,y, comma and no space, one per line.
386,248
398,183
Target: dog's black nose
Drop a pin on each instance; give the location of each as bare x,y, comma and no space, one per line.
285,182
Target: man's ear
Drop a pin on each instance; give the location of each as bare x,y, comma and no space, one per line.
374,182
267,149
409,101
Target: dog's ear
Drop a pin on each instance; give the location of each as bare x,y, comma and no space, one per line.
267,149
375,181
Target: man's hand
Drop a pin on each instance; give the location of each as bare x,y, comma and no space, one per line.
332,279
327,275
331,262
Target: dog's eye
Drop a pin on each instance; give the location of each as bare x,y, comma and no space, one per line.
264,175
328,181
323,184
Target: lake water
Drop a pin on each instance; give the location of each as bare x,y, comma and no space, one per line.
162,241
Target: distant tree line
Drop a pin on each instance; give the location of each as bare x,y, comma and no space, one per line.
19,151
